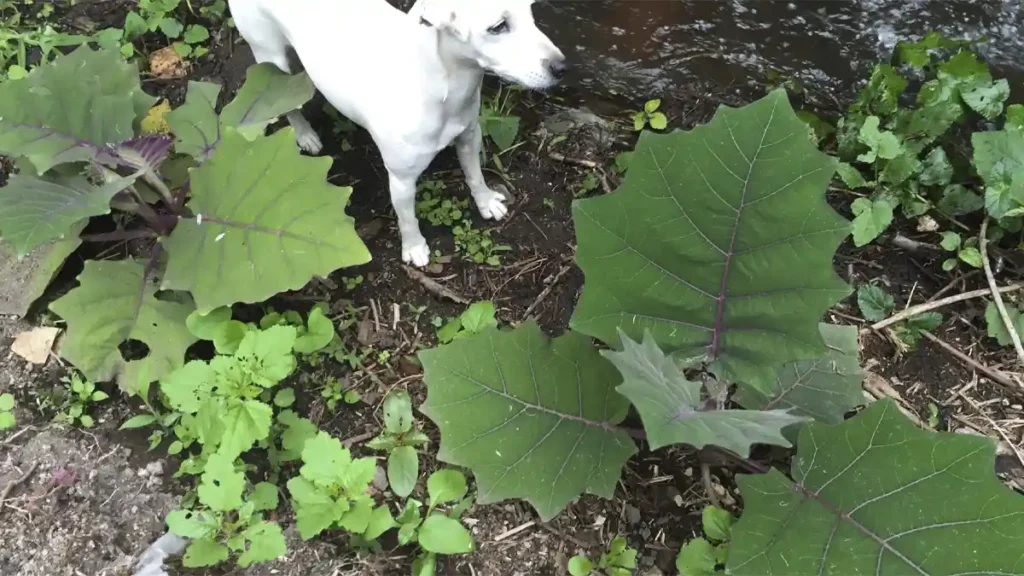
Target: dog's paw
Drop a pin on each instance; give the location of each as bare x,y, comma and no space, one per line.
308,141
418,254
492,207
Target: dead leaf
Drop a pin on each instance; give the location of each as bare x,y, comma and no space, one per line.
35,344
165,63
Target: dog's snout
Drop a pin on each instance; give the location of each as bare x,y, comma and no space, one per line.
557,67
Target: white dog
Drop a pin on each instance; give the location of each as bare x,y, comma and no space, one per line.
411,80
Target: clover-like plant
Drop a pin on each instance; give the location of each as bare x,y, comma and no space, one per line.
618,560
210,219
436,532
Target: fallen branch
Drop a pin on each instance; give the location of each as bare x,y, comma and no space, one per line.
590,164
10,485
921,308
995,376
545,292
982,246
433,286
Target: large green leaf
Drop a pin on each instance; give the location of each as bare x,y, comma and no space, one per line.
670,405
25,279
999,159
72,109
719,242
266,221
267,94
194,123
115,302
876,495
36,210
824,388
533,418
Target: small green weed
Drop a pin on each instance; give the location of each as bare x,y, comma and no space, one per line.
7,420
965,251
476,245
333,392
400,439
619,560
700,556
82,394
876,304
589,183
650,116
436,207
19,35
477,317
437,533
352,282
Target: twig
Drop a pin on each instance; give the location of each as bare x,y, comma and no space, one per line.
510,533
951,285
920,308
705,476
982,246
577,161
997,377
545,292
349,442
376,315
433,286
878,388
10,485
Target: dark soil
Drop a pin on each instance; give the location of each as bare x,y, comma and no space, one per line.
658,502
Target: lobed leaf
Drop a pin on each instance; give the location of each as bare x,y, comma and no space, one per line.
533,418
700,242
669,404
72,110
194,123
36,210
877,495
999,159
823,388
28,277
115,302
266,222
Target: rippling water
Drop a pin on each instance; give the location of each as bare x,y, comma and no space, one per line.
646,48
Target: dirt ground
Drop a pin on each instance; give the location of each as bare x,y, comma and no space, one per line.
85,502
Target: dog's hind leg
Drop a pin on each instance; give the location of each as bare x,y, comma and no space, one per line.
305,136
491,204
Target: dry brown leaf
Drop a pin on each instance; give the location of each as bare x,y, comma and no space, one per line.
165,63
34,345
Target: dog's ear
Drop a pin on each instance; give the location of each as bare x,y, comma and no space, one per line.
444,15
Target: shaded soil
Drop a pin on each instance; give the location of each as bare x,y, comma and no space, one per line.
111,505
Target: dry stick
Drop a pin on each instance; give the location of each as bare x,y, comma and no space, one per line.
982,246
997,377
545,292
10,485
433,286
951,285
510,533
705,476
920,308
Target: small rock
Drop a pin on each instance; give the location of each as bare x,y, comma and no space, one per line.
380,479
632,514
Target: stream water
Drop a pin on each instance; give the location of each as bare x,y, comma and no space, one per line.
648,48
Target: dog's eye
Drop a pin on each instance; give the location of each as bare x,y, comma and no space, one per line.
499,28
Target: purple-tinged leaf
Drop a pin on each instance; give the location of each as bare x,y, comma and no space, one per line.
145,152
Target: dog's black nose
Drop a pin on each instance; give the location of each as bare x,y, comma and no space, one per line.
557,67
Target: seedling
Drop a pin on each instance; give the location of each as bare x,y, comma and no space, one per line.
876,304
650,116
82,395
225,524
708,555
352,282
18,38
965,251
7,420
475,319
165,420
619,560
400,439
333,393
438,533
586,186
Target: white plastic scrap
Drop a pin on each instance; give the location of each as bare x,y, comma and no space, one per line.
151,562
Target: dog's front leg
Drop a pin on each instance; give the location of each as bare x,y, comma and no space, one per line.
490,203
403,199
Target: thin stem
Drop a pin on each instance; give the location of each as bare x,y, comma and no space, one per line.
120,235
982,246
153,180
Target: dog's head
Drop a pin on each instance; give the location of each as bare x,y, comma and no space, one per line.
501,36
